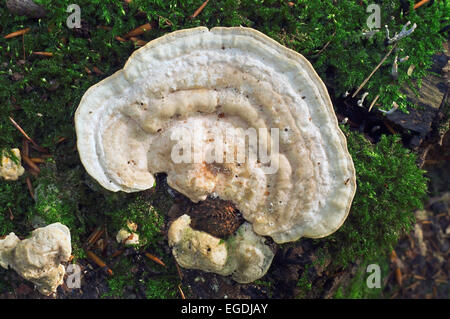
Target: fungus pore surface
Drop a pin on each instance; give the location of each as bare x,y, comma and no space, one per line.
177,99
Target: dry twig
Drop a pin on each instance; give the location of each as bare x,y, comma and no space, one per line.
199,10
180,274
17,126
31,164
181,292
120,39
138,31
398,276
61,139
16,33
374,70
46,54
92,239
25,148
97,71
117,253
389,127
373,102
420,3
30,187
98,261
138,42
155,259
325,46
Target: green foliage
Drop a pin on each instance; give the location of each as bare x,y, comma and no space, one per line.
389,187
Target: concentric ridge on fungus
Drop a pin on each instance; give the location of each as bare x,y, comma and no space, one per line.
201,80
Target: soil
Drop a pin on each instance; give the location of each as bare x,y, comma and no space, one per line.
419,266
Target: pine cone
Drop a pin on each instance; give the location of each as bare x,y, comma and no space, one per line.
217,217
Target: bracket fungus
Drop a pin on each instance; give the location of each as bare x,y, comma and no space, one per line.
192,87
244,255
38,258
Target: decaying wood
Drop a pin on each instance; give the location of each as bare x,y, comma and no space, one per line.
26,8
435,137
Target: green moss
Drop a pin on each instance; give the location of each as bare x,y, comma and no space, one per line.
357,288
14,204
161,288
304,284
57,201
389,187
125,279
122,278
148,218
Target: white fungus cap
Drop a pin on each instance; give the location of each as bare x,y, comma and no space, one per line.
207,81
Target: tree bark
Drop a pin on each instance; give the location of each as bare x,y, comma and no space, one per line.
25,7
